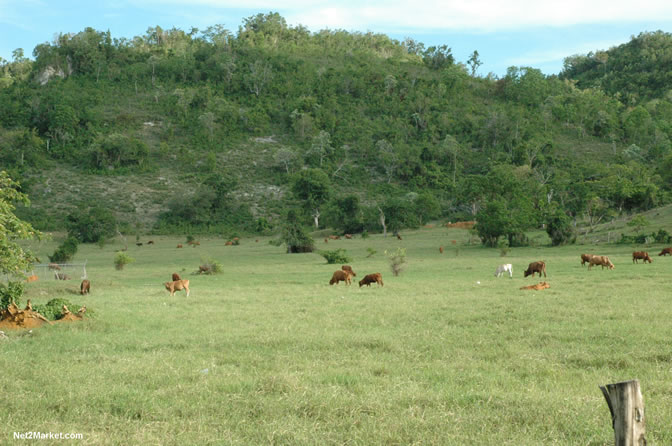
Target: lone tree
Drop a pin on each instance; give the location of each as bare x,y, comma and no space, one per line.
14,260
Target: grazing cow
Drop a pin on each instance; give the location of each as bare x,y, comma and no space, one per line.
256,241
32,278
399,237
179,245
371,278
235,239
229,243
585,258
326,240
341,275
665,252
441,249
540,286
600,260
177,285
151,242
193,243
536,267
501,269
138,244
61,276
334,237
348,268
85,287
176,276
641,255
348,236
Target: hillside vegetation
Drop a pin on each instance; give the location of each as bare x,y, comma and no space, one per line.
215,131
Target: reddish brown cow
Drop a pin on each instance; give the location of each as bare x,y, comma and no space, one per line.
585,258
179,246
85,287
666,251
339,276
539,286
229,243
371,278
641,255
326,240
175,277
536,267
348,236
600,260
441,249
32,278
334,237
399,237
348,268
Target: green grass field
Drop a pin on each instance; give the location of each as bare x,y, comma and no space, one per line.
268,353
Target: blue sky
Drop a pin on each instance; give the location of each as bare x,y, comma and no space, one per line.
534,33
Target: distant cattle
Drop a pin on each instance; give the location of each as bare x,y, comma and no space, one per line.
235,239
348,236
348,268
600,260
54,266
641,255
326,240
372,278
501,269
85,287
665,252
256,241
585,258
179,245
536,267
339,276
175,277
399,237
229,243
334,237
540,286
32,278
151,242
177,285
441,249
138,244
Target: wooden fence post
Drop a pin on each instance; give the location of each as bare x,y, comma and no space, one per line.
627,412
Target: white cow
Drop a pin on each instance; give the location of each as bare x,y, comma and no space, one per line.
501,269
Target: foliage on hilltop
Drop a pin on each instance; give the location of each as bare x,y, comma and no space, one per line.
397,133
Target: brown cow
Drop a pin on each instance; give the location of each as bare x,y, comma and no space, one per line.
179,245
341,275
176,276
229,243
151,242
665,252
399,237
441,249
138,244
32,278
348,236
540,286
641,255
536,267
585,258
326,240
85,287
348,268
177,285
334,237
600,260
371,278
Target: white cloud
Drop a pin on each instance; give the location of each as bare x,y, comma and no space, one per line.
482,15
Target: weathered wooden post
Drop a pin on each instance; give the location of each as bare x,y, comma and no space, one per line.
627,412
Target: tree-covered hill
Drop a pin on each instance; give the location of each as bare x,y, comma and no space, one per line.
228,129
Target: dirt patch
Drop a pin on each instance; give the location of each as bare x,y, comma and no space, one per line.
461,224
540,286
13,318
68,316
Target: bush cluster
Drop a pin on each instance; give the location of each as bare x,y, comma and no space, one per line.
337,256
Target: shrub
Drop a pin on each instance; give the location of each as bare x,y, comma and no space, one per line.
662,236
90,225
365,234
503,246
122,259
11,292
397,260
371,252
337,256
65,252
210,266
53,310
295,236
560,229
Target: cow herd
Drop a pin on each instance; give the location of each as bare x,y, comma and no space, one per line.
345,274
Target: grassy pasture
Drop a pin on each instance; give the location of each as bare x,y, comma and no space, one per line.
269,353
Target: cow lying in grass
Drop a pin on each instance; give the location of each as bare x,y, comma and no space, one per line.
371,278
641,255
536,267
501,269
540,286
177,285
340,275
600,260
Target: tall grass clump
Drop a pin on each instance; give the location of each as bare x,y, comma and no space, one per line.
397,260
336,256
122,259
